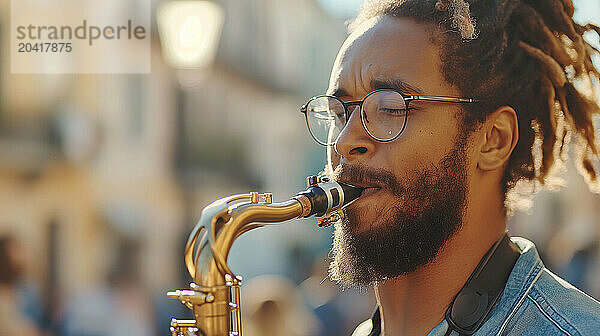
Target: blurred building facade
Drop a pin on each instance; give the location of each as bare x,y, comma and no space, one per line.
106,173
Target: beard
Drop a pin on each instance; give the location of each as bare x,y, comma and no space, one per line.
406,233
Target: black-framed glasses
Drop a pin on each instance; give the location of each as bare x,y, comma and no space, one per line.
383,114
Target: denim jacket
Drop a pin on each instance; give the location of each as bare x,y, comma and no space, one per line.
534,302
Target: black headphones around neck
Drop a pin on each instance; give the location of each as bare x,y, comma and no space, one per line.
481,293
474,303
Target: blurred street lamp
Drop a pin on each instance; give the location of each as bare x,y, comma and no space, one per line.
189,32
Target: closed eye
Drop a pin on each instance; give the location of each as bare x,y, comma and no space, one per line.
393,111
399,111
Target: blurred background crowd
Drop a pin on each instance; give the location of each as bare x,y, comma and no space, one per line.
102,177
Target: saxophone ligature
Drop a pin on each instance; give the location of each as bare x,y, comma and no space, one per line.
214,295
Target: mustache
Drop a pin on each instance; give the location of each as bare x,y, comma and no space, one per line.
364,176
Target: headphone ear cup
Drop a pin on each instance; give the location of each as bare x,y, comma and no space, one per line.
469,307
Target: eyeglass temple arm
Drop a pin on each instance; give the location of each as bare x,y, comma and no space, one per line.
444,99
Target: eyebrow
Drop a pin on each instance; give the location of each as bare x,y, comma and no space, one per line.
340,93
385,83
395,84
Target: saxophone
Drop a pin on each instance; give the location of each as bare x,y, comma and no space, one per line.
214,296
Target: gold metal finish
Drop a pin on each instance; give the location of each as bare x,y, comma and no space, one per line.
330,218
215,294
305,202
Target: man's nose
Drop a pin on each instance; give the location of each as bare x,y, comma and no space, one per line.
353,142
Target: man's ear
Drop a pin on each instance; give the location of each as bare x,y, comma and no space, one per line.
499,138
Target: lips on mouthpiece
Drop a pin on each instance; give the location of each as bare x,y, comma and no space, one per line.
369,191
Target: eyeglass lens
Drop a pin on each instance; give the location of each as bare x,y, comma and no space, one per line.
383,116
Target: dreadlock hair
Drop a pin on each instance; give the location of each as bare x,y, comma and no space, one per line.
527,54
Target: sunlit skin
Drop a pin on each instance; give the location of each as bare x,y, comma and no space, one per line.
387,49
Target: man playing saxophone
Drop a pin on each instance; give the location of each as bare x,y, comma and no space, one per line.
440,110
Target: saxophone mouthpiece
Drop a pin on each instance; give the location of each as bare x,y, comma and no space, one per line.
325,196
350,193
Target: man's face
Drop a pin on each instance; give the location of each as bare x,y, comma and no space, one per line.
418,182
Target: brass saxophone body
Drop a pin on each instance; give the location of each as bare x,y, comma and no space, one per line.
214,296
